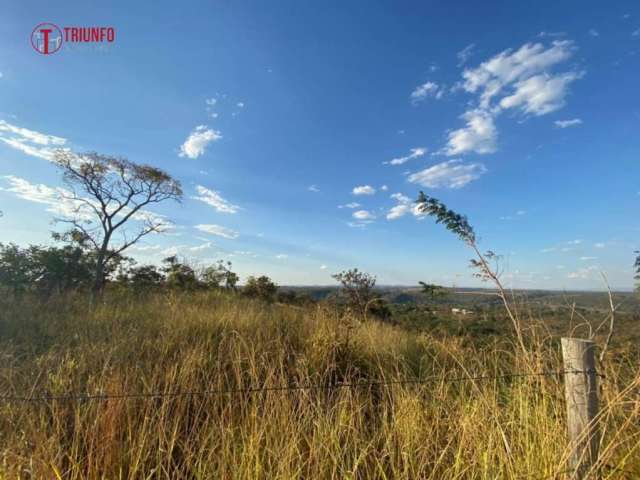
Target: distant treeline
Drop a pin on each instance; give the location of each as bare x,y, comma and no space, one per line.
49,270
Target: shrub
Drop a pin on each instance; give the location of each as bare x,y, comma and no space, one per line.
262,287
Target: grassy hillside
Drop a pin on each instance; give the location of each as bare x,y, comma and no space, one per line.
454,425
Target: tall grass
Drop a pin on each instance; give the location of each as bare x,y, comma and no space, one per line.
442,429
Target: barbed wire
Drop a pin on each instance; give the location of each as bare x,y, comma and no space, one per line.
254,390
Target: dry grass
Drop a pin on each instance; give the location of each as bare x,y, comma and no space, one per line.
486,429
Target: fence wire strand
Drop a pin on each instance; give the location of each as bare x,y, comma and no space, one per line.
257,390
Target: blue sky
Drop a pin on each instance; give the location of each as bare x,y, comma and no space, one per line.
303,131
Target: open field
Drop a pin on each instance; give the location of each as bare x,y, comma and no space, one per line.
466,417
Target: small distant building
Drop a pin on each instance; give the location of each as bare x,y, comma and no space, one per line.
461,311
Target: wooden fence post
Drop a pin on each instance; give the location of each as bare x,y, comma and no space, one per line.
581,394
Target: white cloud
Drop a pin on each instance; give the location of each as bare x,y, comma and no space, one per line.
465,54
404,206
211,101
203,246
31,142
428,89
217,230
415,153
574,242
363,215
599,245
313,188
400,197
586,259
57,199
246,253
357,224
282,256
213,198
171,251
635,33
594,33
145,248
31,135
240,104
568,123
384,188
350,205
583,273
478,136
450,174
520,79
60,202
508,67
197,142
521,212
363,190
323,267
540,94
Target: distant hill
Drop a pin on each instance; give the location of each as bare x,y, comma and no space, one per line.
627,302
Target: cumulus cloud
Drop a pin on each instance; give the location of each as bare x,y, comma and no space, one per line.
426,90
323,267
450,174
540,94
217,230
521,79
197,141
363,215
403,207
568,123
479,135
350,205
213,198
363,190
313,188
415,153
507,67
31,142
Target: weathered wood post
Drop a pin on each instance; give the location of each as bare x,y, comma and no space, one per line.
581,394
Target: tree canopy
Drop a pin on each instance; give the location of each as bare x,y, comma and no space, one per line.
107,195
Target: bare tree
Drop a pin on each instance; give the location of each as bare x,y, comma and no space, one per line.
108,194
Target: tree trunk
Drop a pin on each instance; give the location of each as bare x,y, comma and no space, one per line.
98,284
